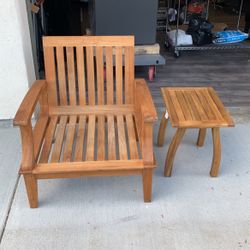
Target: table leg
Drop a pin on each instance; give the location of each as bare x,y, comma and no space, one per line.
201,137
162,129
216,152
172,150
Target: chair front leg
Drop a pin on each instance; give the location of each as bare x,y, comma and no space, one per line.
27,164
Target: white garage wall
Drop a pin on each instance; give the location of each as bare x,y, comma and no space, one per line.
16,61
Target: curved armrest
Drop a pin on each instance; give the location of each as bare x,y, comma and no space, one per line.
144,102
146,115
26,109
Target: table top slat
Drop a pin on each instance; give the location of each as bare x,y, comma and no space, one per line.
195,107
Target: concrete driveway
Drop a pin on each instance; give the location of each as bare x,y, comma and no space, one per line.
190,210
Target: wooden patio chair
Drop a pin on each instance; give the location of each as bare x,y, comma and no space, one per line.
94,118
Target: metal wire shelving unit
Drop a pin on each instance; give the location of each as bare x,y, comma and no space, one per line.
178,48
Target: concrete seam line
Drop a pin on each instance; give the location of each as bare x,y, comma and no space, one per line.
9,208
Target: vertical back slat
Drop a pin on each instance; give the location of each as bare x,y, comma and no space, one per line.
81,79
100,75
71,75
109,75
81,75
129,75
90,74
118,73
61,75
50,75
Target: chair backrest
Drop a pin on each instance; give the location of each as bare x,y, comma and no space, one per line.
89,70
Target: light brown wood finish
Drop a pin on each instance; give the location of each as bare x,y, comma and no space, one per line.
172,151
48,139
50,75
80,138
90,109
216,152
68,147
26,109
129,75
147,177
194,107
109,75
201,103
56,154
91,138
111,138
162,129
32,189
100,75
123,155
201,137
90,74
61,75
119,78
101,139
132,137
90,127
81,75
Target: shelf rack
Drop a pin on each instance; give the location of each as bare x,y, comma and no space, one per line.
177,48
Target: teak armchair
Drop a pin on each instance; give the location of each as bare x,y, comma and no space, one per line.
94,118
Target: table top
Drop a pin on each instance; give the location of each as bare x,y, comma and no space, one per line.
195,107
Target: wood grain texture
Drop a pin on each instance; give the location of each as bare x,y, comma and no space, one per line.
109,75
48,139
86,126
50,75
90,75
69,141
28,104
59,139
71,75
80,138
162,130
119,76
172,151
90,151
111,138
216,152
61,75
123,154
100,75
81,75
195,108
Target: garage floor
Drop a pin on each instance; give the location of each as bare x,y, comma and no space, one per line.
190,210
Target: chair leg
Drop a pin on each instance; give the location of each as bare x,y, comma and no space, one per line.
172,150
31,188
162,129
201,137
216,152
147,177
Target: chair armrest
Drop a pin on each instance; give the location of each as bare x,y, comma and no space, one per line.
144,102
26,109
146,115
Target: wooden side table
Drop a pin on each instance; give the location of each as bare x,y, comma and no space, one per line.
193,107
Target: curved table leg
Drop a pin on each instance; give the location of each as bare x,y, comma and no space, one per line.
172,150
201,137
216,152
162,129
